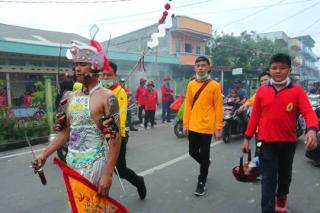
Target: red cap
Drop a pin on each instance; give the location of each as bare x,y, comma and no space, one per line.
142,80
150,83
166,78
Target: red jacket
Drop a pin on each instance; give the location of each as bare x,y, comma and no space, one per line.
276,113
166,93
141,95
151,100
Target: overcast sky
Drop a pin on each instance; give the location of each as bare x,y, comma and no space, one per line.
294,17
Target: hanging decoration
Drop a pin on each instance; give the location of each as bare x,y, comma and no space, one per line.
165,23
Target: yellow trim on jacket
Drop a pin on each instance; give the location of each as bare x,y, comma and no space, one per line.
206,115
122,98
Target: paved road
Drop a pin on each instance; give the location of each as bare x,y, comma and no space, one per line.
170,176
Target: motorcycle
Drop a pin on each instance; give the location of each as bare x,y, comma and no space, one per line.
232,122
314,155
178,106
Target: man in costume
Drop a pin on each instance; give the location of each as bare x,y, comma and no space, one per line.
80,123
109,80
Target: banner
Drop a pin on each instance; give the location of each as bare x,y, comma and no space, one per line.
83,194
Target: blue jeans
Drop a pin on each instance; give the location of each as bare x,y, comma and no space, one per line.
129,119
166,111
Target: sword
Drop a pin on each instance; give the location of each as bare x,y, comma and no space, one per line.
40,170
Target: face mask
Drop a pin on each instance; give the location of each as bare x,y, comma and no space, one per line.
106,83
201,77
167,84
285,81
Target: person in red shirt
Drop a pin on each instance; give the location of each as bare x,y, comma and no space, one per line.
167,99
151,104
275,110
140,97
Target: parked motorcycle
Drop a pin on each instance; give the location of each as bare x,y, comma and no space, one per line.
234,123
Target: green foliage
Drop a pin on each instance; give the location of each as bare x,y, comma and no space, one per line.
247,50
39,95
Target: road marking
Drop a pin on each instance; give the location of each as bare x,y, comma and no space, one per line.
170,162
21,153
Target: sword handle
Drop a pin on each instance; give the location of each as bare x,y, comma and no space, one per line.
42,177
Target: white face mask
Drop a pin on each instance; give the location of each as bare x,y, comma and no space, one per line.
202,77
106,83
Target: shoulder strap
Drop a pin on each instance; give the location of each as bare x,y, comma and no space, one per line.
196,96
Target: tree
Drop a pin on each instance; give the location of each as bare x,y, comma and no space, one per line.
248,50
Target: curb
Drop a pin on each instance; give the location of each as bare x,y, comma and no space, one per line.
23,143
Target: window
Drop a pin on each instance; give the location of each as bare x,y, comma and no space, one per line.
198,50
188,48
17,62
35,63
178,46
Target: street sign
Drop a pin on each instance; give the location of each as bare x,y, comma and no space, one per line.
237,71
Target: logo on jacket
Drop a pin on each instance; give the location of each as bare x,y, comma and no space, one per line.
289,107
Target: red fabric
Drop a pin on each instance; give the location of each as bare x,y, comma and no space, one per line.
113,86
177,103
151,100
106,66
27,100
276,113
166,93
68,172
141,95
3,101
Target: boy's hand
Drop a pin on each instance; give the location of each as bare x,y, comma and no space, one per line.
218,134
185,131
245,146
310,140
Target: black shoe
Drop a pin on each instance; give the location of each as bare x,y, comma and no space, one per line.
201,189
142,190
134,129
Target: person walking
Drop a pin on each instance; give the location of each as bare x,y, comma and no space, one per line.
275,109
202,118
87,149
109,80
140,98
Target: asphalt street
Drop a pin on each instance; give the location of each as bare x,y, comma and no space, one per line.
170,175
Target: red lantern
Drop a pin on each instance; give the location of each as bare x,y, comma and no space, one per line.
165,13
167,6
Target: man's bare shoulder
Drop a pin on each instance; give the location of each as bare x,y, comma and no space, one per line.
104,93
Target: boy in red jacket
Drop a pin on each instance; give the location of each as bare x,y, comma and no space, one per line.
275,110
150,104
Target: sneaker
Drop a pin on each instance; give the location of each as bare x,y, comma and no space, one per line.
142,125
281,203
142,190
201,189
134,129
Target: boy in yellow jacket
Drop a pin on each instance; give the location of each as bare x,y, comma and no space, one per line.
109,80
202,118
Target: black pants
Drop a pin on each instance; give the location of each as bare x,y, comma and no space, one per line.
124,171
199,149
141,108
166,111
276,165
149,117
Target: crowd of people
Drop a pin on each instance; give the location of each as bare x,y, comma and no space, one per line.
96,116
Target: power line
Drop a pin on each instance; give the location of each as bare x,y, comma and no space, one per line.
315,22
154,11
252,14
291,16
61,2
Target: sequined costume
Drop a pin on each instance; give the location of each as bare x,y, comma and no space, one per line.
86,148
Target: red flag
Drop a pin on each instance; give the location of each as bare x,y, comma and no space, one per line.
83,194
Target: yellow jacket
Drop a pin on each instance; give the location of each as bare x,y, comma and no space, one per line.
121,95
206,115
250,102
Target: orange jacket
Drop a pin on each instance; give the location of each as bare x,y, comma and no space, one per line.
206,116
